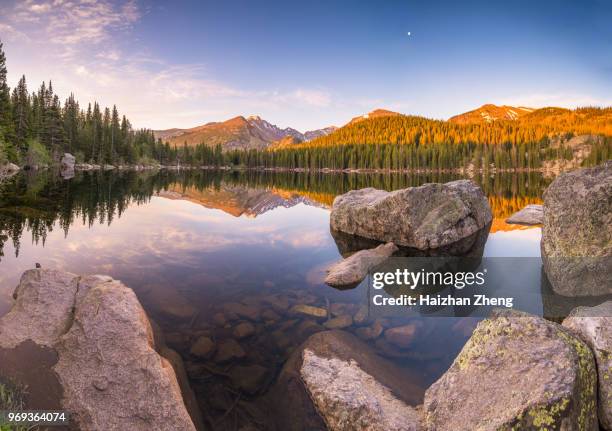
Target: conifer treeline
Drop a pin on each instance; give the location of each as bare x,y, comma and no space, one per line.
36,128
408,143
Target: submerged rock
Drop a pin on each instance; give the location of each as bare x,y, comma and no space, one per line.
577,232
249,378
109,371
243,330
335,381
402,336
594,326
229,350
516,372
309,310
203,347
530,215
350,271
425,217
340,322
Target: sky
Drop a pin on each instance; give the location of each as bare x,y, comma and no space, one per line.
310,64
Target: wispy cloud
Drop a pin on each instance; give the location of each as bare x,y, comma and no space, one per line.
72,22
88,47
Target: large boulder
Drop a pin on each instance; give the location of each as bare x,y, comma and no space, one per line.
68,161
67,166
353,269
335,381
594,326
8,170
516,372
102,350
426,217
577,232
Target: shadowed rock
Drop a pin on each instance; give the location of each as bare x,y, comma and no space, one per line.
594,326
425,217
350,271
530,215
577,232
516,372
335,381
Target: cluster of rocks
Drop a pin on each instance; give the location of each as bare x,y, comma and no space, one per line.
517,371
433,219
234,351
85,345
554,376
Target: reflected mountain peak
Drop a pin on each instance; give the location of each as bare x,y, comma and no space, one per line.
237,200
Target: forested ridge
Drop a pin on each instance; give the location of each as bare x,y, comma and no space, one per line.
36,128
411,142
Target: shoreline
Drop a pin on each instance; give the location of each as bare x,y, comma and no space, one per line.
469,171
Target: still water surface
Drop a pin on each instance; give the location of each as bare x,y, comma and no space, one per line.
191,243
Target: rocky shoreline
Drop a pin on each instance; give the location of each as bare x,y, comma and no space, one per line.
113,368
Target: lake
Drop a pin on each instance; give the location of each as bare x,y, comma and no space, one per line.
204,250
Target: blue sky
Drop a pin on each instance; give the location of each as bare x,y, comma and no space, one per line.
311,64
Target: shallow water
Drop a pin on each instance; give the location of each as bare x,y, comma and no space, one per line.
191,243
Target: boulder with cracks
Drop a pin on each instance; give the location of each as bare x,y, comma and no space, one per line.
425,217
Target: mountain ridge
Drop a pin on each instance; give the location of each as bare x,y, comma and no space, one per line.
252,132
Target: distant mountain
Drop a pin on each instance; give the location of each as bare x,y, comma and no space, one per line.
495,124
377,113
238,133
489,113
314,134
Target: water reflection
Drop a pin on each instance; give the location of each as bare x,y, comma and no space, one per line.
193,243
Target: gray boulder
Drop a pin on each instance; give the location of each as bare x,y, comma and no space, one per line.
105,359
335,381
577,232
68,161
8,170
352,270
516,372
67,166
530,215
594,326
426,217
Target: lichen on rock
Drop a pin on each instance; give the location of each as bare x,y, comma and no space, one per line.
516,372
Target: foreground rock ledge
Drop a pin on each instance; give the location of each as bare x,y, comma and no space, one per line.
110,374
426,217
516,372
594,326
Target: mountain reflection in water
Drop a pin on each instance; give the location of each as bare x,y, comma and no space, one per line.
193,244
